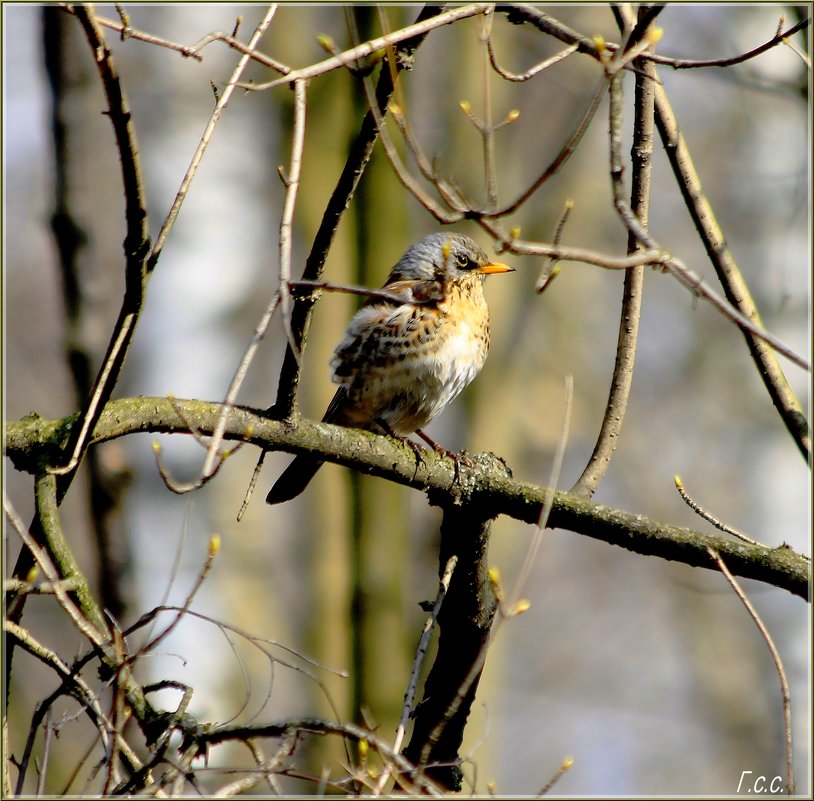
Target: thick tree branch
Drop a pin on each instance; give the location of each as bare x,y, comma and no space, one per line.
488,483
465,623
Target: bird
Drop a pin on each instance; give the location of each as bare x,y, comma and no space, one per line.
410,349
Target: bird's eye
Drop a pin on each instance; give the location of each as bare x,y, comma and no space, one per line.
462,260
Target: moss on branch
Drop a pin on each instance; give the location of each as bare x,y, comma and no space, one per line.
488,483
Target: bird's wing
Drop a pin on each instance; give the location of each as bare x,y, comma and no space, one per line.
379,323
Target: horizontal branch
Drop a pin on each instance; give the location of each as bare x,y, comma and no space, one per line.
487,482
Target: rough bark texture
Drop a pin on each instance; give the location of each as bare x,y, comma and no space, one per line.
465,621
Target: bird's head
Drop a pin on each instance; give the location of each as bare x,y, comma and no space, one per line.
445,257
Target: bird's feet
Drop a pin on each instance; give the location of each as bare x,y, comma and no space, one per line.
417,450
457,458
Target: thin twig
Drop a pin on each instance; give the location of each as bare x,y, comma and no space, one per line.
735,287
72,684
136,243
687,63
564,767
206,136
262,644
303,726
368,48
423,644
549,269
545,509
778,665
641,154
523,12
47,511
212,552
799,53
213,459
193,50
252,485
701,512
532,71
292,183
42,588
487,129
367,292
448,193
562,156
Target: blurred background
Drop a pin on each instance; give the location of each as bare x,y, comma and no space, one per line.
649,674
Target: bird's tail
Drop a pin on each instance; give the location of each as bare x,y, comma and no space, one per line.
294,479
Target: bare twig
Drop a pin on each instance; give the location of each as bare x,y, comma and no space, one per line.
252,484
292,183
778,665
750,326
729,274
457,206
262,644
217,113
564,767
655,257
450,196
42,588
522,12
304,726
487,129
549,269
561,158
212,552
87,618
72,685
214,458
687,63
641,154
423,644
699,510
545,509
136,243
368,48
799,53
366,292
532,71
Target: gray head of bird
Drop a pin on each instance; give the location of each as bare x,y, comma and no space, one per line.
445,256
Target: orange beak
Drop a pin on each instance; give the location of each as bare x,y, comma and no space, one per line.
495,267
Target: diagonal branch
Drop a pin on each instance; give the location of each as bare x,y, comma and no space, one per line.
415,32
729,274
136,242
